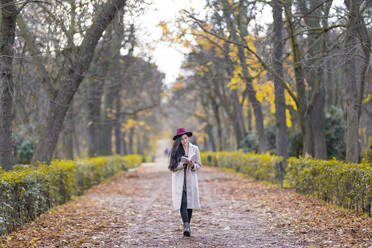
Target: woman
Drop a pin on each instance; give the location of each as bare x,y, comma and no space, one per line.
184,163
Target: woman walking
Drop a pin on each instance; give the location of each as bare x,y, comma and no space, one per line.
184,163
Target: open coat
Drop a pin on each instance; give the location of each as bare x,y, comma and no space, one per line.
192,188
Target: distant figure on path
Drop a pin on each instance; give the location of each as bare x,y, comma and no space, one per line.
184,163
166,152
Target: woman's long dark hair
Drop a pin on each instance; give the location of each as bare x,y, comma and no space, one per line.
176,153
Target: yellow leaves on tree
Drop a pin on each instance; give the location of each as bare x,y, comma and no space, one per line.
200,137
288,118
266,91
207,41
368,98
128,125
206,44
289,100
249,40
236,82
176,35
166,33
178,85
254,67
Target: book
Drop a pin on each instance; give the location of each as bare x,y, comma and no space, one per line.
192,158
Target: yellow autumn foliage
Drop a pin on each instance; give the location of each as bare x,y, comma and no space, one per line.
178,85
128,125
368,98
236,82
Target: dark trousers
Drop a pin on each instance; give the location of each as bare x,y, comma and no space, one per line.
185,213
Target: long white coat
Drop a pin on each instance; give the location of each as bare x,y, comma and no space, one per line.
191,181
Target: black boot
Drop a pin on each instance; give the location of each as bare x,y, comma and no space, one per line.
186,230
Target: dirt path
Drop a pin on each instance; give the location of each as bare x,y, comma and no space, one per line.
134,210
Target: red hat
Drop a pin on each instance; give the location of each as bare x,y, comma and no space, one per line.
182,131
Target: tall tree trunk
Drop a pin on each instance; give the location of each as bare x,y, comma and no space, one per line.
331,83
62,99
318,126
247,78
98,70
68,141
259,120
249,117
107,119
112,89
139,143
117,123
316,144
76,143
94,94
125,143
239,115
355,82
280,114
256,105
209,131
216,114
130,140
303,117
7,31
238,118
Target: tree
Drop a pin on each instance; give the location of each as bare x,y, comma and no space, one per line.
356,38
280,115
316,37
62,97
237,29
7,30
9,14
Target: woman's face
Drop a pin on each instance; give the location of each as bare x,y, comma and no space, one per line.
184,139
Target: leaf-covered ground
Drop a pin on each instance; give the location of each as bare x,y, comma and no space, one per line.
134,210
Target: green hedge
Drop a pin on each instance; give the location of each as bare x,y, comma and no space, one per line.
259,166
345,184
26,192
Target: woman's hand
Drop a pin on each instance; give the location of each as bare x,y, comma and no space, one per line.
192,164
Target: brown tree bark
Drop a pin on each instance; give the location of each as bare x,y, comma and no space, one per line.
303,117
95,89
107,118
315,40
130,141
125,143
354,81
62,98
242,58
7,31
117,124
208,129
280,114
216,114
67,134
94,94
112,87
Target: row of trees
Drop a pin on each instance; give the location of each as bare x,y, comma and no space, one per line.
286,77
70,84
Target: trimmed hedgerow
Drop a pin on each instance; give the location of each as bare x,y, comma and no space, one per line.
259,166
26,192
345,184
